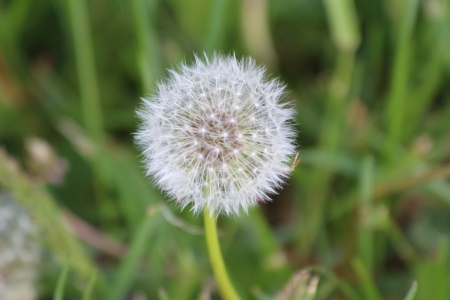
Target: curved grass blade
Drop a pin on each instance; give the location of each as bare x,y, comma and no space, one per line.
412,291
59,292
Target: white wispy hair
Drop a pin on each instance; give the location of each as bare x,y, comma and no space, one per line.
216,135
20,251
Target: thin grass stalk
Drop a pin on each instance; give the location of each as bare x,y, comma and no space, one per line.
395,111
89,90
129,266
369,287
366,231
59,291
346,37
87,295
216,24
147,43
90,95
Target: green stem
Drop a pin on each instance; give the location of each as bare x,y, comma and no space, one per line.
216,32
397,105
147,42
89,93
87,77
215,255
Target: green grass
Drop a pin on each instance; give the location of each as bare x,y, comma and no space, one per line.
367,209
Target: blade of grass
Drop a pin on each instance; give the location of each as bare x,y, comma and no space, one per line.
89,90
433,273
59,291
346,40
410,182
128,269
395,110
343,21
275,260
424,93
256,33
339,162
87,295
439,14
147,43
330,142
162,294
90,95
14,17
346,289
311,289
431,180
368,285
441,189
405,250
366,239
12,23
216,25
412,291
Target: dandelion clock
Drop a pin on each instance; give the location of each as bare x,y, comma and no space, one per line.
19,251
216,137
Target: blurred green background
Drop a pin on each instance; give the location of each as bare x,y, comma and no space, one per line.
367,210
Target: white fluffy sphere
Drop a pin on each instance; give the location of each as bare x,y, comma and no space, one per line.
216,135
20,251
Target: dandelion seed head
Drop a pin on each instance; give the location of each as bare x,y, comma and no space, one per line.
20,251
210,132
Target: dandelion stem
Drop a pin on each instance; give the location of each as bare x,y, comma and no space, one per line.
215,255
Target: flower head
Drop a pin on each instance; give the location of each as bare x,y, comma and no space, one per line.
20,251
216,135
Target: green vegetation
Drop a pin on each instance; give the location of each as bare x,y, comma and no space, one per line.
366,213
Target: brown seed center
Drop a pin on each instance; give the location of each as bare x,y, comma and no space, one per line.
217,137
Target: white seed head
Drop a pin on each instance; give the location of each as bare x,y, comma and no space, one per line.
19,251
216,135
